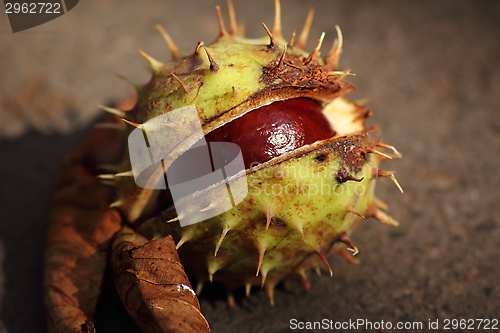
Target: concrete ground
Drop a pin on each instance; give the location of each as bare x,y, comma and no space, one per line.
431,72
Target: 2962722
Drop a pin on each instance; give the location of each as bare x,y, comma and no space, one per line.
33,8
471,324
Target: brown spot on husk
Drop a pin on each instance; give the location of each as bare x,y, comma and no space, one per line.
352,150
343,176
277,222
321,157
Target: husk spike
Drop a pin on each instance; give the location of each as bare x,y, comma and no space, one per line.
390,174
233,25
174,50
292,39
333,56
325,261
272,42
301,42
222,28
224,233
184,86
155,64
114,111
277,20
214,67
315,54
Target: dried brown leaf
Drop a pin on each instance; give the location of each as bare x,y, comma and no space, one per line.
81,226
153,285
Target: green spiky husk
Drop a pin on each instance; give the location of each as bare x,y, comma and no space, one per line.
301,206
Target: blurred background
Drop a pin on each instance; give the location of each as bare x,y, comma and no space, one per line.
431,73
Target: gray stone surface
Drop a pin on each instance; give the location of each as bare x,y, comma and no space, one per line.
431,73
